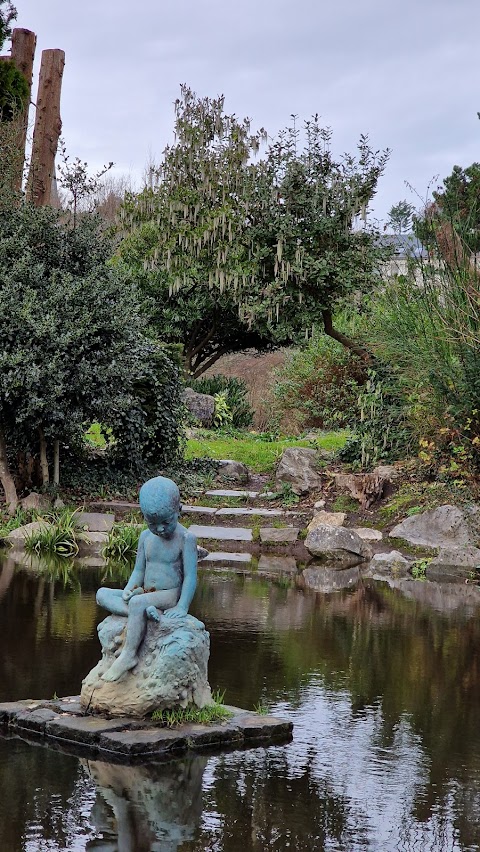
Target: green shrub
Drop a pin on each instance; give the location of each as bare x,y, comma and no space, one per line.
59,537
122,542
430,334
318,386
223,415
235,391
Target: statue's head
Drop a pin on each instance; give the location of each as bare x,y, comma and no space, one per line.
160,504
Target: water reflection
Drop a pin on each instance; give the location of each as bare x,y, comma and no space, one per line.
145,808
381,679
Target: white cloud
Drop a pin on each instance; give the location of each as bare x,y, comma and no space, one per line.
405,73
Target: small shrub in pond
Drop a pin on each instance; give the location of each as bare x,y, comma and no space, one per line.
59,536
122,542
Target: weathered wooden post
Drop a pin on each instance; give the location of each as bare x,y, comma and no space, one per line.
22,54
48,126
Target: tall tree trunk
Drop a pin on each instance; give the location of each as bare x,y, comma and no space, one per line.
43,457
56,462
6,478
48,126
350,344
22,53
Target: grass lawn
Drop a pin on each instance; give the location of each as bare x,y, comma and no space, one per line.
258,454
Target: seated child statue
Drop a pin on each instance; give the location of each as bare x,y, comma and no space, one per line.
165,573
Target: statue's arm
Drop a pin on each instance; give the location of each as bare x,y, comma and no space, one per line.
189,583
138,574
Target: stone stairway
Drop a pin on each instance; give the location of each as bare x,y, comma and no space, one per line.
232,545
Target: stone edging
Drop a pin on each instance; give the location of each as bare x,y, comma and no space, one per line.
62,724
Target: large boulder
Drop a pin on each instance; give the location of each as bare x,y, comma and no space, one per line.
95,521
338,545
171,669
298,467
457,557
17,537
328,519
233,471
34,500
200,405
446,526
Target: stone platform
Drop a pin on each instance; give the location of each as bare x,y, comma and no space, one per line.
62,724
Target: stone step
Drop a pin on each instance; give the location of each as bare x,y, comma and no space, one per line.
261,513
221,533
272,535
277,564
231,492
225,556
199,510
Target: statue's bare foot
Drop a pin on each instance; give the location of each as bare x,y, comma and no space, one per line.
122,664
153,613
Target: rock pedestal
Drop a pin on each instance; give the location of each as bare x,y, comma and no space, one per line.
171,669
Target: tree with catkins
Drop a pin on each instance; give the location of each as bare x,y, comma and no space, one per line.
237,250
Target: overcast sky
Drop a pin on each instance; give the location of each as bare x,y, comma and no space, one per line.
406,73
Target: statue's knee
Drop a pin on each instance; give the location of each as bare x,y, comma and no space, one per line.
100,597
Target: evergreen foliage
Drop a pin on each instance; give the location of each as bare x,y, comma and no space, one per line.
13,90
13,85
72,348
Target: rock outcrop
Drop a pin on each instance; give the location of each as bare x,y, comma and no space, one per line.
339,545
171,669
446,526
298,468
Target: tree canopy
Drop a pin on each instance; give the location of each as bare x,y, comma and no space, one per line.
237,250
400,217
458,204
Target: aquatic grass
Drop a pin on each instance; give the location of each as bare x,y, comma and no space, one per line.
60,535
56,568
215,712
19,519
122,542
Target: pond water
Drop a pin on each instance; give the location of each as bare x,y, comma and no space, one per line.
382,684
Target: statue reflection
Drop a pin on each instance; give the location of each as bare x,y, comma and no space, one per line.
6,575
145,808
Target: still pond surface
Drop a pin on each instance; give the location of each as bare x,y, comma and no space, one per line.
382,684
